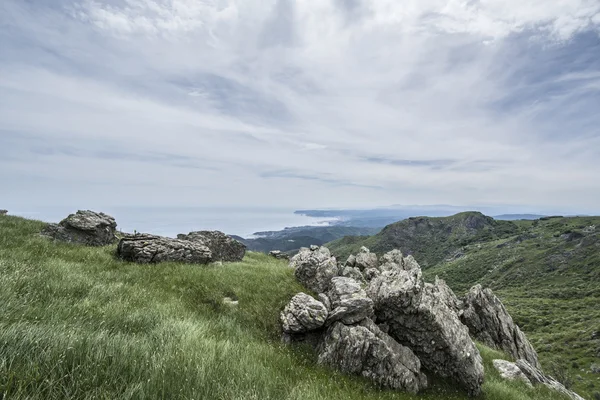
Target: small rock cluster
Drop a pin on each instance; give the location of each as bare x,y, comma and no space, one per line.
84,227
278,254
376,317
3,212
98,229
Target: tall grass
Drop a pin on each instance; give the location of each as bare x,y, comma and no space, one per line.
76,323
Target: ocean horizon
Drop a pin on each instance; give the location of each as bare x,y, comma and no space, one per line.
170,221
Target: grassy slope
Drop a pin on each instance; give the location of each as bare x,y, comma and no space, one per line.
550,284
76,323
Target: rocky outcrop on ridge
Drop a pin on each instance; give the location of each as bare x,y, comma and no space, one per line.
3,212
489,322
223,247
84,227
422,327
145,248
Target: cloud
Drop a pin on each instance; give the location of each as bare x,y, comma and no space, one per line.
306,104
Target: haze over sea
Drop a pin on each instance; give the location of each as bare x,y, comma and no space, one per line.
169,221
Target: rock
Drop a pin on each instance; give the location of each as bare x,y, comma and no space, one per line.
366,351
3,212
510,371
144,248
352,272
365,259
349,302
314,247
448,296
537,377
303,314
595,368
84,227
418,317
314,268
371,273
395,260
325,300
351,261
278,254
222,247
489,322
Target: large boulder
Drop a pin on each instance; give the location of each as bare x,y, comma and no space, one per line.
222,247
84,227
348,301
537,377
144,248
448,296
395,260
365,350
489,322
365,259
314,268
303,314
351,272
418,316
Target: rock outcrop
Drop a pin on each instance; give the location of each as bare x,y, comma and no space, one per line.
489,322
303,314
3,212
84,227
348,301
145,248
537,377
278,254
363,349
418,317
365,259
352,272
314,268
222,247
509,370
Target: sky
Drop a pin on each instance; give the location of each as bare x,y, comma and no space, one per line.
305,104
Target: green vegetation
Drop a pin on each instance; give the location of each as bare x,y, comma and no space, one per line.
75,323
547,272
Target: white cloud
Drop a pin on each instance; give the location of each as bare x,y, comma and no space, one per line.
293,101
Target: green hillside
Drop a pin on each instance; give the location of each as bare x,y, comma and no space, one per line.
546,271
75,323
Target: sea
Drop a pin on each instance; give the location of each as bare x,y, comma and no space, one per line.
170,221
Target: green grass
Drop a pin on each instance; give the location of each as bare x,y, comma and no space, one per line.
76,323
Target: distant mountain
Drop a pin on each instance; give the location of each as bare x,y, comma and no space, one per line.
514,217
291,239
429,239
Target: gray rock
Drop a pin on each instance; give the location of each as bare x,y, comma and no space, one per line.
351,261
222,246
278,254
349,302
365,350
3,212
144,248
84,227
371,273
395,260
595,368
365,259
303,314
314,268
448,296
510,371
537,377
489,322
325,300
418,317
352,272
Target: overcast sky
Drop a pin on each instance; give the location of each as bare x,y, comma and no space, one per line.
320,103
